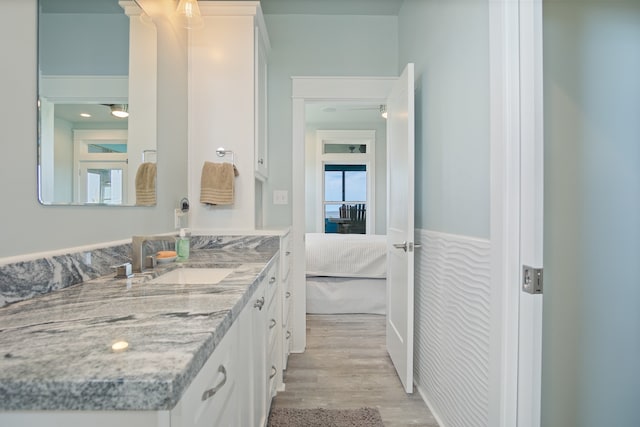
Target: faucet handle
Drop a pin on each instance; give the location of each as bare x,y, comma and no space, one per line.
150,261
123,271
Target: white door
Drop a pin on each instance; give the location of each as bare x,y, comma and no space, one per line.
400,227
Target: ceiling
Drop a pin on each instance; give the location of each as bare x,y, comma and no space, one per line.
99,114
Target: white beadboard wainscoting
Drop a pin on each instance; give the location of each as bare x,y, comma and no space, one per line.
452,327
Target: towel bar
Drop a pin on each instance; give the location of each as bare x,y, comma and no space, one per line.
221,152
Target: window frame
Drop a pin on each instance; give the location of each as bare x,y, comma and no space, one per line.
346,137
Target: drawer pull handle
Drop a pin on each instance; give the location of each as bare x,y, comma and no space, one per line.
287,294
272,280
209,393
274,371
273,323
287,253
259,303
288,334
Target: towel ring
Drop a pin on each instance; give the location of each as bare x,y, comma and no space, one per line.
221,152
149,153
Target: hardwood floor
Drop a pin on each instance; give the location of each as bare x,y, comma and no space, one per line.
346,365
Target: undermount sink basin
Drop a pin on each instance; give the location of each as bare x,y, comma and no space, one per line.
194,276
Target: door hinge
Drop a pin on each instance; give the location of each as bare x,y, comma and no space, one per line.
532,279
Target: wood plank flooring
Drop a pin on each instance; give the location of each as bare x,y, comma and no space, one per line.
346,365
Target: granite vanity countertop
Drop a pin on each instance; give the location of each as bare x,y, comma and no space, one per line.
56,349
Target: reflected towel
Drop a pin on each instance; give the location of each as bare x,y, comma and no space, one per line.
146,184
216,185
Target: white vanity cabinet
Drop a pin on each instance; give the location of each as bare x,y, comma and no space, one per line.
255,352
286,297
237,383
274,333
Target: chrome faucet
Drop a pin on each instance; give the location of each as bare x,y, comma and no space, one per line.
137,249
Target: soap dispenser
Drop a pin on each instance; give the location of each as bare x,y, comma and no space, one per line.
182,245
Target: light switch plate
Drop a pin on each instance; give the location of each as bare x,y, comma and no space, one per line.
280,197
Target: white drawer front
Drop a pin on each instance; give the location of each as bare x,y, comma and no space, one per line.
209,400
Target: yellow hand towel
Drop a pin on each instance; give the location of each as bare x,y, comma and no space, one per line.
216,185
146,184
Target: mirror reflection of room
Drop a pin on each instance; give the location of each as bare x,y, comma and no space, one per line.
97,139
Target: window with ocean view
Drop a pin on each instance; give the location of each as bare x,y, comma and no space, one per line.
345,198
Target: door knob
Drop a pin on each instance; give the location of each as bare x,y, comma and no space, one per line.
407,246
402,246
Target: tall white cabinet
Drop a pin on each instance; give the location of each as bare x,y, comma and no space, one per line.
227,108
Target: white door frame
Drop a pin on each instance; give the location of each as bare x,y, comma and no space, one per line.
516,208
531,210
304,90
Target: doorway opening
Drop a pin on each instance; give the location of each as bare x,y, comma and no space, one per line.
318,92
398,91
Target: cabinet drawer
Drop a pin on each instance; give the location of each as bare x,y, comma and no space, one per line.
210,400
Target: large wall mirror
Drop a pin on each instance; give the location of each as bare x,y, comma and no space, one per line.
97,84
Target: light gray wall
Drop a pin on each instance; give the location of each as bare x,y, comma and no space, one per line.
591,326
318,45
25,225
448,40
311,171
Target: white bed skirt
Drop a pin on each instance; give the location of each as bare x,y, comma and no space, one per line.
340,295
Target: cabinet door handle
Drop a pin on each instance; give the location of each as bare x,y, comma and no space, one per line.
274,371
261,161
287,294
288,334
209,393
259,303
287,253
272,280
273,323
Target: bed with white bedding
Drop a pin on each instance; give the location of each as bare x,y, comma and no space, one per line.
346,273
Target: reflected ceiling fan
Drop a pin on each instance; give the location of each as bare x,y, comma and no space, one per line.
120,111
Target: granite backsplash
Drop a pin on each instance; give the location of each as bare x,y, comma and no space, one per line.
25,279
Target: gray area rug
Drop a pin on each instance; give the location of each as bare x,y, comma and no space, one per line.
290,417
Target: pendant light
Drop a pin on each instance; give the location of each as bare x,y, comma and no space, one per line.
189,14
